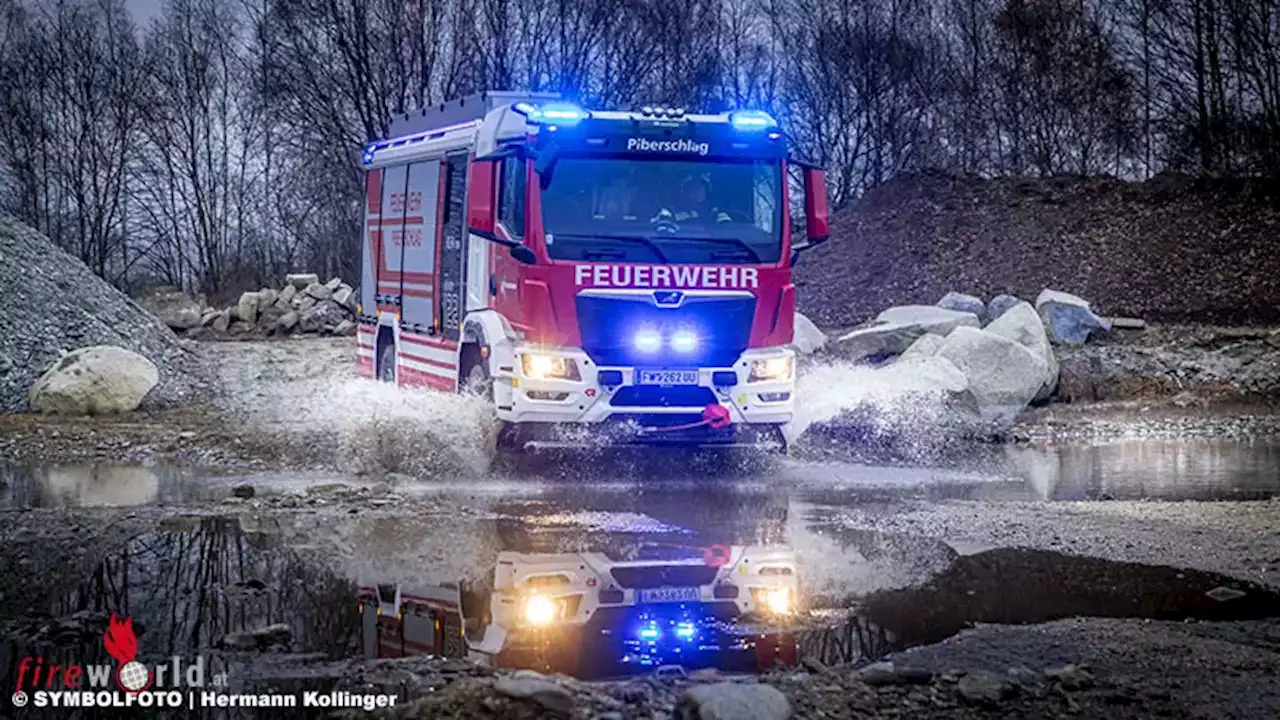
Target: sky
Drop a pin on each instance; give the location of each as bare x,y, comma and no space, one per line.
143,11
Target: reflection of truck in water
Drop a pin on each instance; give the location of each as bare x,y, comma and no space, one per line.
623,271
588,615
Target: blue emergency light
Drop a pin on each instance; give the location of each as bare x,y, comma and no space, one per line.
557,113
751,120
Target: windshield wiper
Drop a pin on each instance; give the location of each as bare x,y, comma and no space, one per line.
639,239
722,241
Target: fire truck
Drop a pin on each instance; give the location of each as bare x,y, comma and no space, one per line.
591,616
627,272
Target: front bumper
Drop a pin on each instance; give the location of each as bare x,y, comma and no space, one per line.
647,412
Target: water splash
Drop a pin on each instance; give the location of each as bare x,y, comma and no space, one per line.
916,406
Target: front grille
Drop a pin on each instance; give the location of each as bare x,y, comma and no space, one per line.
664,576
722,326
656,396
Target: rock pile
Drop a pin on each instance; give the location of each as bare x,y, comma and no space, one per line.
946,352
52,304
303,305
1173,249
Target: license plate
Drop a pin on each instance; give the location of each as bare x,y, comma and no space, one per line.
668,594
668,377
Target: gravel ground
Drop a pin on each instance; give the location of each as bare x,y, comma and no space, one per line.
52,303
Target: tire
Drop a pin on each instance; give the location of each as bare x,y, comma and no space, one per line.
477,380
387,363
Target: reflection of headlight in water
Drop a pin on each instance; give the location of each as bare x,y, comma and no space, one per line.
540,610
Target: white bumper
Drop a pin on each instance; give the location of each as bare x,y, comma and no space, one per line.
523,399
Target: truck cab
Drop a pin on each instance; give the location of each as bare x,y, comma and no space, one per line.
623,271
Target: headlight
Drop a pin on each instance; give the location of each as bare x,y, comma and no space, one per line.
549,367
540,610
776,369
777,601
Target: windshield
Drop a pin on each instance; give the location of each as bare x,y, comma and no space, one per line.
648,210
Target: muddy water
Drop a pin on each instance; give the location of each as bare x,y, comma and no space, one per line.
298,552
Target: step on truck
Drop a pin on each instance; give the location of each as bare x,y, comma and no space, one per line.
593,616
623,273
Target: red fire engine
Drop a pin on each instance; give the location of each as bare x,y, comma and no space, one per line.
630,271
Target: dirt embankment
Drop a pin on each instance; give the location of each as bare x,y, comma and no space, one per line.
1172,249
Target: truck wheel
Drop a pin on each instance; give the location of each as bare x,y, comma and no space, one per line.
387,363
477,381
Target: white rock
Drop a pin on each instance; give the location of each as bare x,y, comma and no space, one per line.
287,321
94,380
929,318
345,328
925,346
318,291
286,296
999,305
301,280
333,284
1003,375
266,298
737,701
222,321
345,297
324,316
246,309
540,690
1068,319
963,303
808,338
1022,325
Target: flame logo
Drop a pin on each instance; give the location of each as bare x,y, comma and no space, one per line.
119,639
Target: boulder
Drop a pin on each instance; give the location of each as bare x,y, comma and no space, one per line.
269,319
1068,319
222,321
929,318
94,380
736,701
537,689
286,296
924,346
318,291
174,308
333,284
267,298
325,316
1003,375
1022,325
1000,304
260,639
246,309
346,328
301,281
240,327
287,322
808,338
303,302
346,297
209,315
895,329
964,303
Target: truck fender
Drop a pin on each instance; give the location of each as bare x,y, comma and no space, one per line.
486,328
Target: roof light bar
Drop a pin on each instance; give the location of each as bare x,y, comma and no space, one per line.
752,120
558,113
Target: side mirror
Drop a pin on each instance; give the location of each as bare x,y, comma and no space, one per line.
545,164
817,216
521,253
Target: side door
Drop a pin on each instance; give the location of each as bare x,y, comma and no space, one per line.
372,242
453,256
421,223
391,232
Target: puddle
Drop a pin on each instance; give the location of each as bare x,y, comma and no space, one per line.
1018,586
